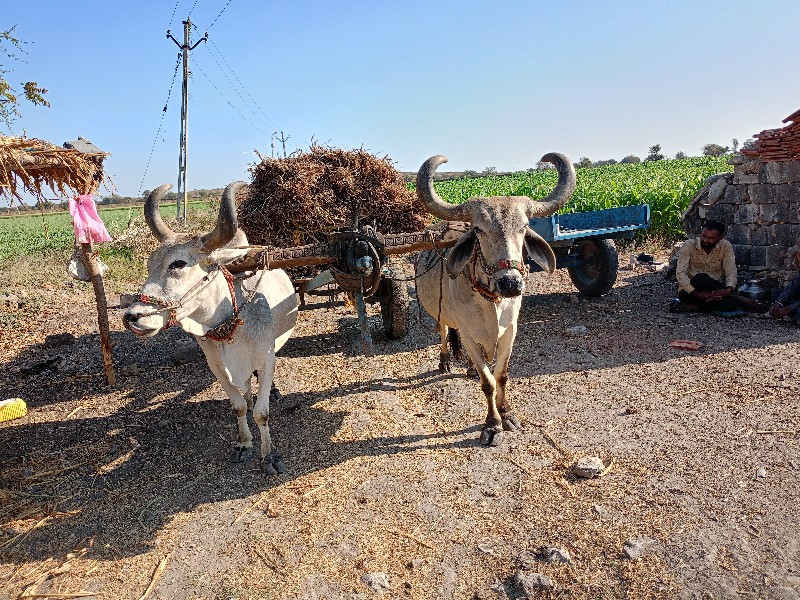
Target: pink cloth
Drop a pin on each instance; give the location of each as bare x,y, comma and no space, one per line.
86,222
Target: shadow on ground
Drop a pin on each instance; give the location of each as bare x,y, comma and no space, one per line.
100,471
164,450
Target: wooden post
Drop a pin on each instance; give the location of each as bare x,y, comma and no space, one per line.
102,311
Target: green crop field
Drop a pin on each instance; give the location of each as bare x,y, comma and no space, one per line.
666,185
34,233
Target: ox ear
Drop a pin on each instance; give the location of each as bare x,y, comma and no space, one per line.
539,251
461,253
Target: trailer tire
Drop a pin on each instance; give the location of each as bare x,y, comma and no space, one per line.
597,272
394,308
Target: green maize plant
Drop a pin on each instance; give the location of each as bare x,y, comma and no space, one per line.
666,185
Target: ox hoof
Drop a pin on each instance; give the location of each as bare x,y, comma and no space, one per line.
491,436
241,454
273,464
444,365
275,396
511,422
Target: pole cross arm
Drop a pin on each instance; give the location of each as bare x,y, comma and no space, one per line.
170,36
185,46
202,39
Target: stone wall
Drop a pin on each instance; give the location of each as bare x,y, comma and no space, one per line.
760,204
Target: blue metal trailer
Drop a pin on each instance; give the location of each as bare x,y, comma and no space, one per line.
584,243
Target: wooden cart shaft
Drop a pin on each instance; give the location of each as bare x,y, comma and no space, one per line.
262,257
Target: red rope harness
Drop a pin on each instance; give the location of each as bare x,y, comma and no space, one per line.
221,333
477,286
225,330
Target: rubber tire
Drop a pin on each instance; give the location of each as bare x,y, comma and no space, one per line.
394,308
600,274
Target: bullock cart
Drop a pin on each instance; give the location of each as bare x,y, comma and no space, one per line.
358,263
357,260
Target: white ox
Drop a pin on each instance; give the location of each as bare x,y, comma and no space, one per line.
240,322
482,296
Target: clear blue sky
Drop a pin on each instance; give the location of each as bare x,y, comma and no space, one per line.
487,84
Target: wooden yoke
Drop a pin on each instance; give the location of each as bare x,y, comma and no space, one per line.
261,257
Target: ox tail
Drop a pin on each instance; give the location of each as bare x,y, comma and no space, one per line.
456,347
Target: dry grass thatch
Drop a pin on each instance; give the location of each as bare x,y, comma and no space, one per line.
301,199
29,164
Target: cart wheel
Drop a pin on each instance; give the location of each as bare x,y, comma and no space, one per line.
598,269
394,308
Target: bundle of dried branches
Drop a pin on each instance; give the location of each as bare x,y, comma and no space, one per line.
29,164
302,199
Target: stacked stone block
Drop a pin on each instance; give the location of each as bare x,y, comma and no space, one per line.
760,203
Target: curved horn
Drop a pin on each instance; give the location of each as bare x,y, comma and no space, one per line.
563,190
430,199
153,216
226,221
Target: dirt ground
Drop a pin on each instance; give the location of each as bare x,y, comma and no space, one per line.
127,491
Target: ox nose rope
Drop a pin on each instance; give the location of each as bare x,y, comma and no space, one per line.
174,305
224,331
483,291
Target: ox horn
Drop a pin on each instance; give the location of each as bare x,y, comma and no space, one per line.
430,199
226,221
563,190
153,216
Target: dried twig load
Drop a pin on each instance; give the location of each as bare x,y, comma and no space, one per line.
302,199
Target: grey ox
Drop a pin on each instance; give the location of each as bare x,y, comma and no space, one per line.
240,322
481,292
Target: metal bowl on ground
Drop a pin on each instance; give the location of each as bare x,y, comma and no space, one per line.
756,290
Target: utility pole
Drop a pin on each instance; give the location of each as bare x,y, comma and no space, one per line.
186,47
282,140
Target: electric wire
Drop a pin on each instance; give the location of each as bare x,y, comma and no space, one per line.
161,122
172,18
218,16
191,9
256,127
241,85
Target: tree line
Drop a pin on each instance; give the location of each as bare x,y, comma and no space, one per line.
654,153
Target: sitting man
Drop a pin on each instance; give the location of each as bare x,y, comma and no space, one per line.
788,302
706,273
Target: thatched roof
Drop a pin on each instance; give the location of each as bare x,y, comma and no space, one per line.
30,164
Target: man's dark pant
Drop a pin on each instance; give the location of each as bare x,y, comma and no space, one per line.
703,282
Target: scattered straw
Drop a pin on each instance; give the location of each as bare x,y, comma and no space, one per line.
74,410
522,467
21,536
563,483
156,574
80,594
249,510
554,443
607,470
270,563
411,536
53,472
314,491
